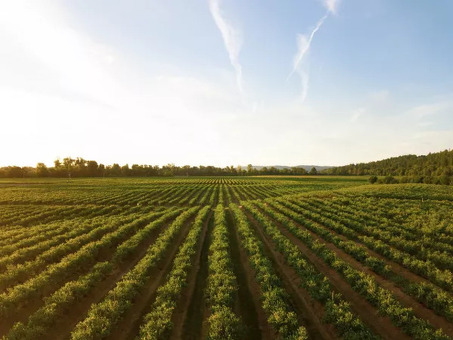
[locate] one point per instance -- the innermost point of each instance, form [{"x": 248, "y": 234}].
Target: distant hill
[
  {"x": 306, "y": 167},
  {"x": 432, "y": 168}
]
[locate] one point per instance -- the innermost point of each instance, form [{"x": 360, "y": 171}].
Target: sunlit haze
[{"x": 222, "y": 83}]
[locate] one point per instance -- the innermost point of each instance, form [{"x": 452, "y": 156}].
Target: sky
[{"x": 224, "y": 82}]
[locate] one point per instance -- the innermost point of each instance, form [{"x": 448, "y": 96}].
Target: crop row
[
  {"x": 337, "y": 310},
  {"x": 275, "y": 302},
  {"x": 365, "y": 285},
  {"x": 103, "y": 316},
  {"x": 408, "y": 239},
  {"x": 178, "y": 192},
  {"x": 222, "y": 284},
  {"x": 157, "y": 323},
  {"x": 62, "y": 299},
  {"x": 370, "y": 238},
  {"x": 20, "y": 272},
  {"x": 54, "y": 275},
  {"x": 426, "y": 293}
]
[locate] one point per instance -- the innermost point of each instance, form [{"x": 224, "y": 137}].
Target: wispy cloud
[
  {"x": 232, "y": 39},
  {"x": 331, "y": 5},
  {"x": 304, "y": 43}
]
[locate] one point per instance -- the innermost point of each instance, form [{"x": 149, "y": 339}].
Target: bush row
[
  {"x": 337, "y": 311},
  {"x": 281, "y": 315},
  {"x": 428, "y": 294},
  {"x": 157, "y": 323},
  {"x": 221, "y": 288},
  {"x": 103, "y": 316},
  {"x": 366, "y": 286}
]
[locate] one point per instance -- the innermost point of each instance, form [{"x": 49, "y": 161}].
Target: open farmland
[{"x": 225, "y": 258}]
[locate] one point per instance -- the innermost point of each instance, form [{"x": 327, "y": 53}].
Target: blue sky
[{"x": 225, "y": 82}]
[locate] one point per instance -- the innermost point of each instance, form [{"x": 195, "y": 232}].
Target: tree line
[
  {"x": 434, "y": 168},
  {"x": 79, "y": 167}
]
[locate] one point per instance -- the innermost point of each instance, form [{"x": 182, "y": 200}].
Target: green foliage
[
  {"x": 222, "y": 284},
  {"x": 104, "y": 315},
  {"x": 224, "y": 324},
  {"x": 373, "y": 179},
  {"x": 316, "y": 284},
  {"x": 365, "y": 285},
  {"x": 61, "y": 239},
  {"x": 434, "y": 168},
  {"x": 157, "y": 323},
  {"x": 274, "y": 298}
]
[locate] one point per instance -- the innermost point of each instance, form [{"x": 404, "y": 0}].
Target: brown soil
[
  {"x": 262, "y": 328},
  {"x": 396, "y": 267},
  {"x": 22, "y": 313},
  {"x": 309, "y": 311},
  {"x": 79, "y": 309},
  {"x": 129, "y": 326},
  {"x": 233, "y": 196},
  {"x": 248, "y": 304},
  {"x": 188, "y": 316},
  {"x": 420, "y": 310},
  {"x": 367, "y": 313}
]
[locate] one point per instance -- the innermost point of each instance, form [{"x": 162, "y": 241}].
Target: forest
[
  {"x": 79, "y": 167},
  {"x": 434, "y": 168}
]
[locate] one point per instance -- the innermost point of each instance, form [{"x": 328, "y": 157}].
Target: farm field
[{"x": 225, "y": 258}]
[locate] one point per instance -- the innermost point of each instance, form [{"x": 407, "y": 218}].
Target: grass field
[{"x": 225, "y": 258}]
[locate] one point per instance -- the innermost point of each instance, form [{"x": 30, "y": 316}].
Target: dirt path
[
  {"x": 248, "y": 299},
  {"x": 225, "y": 196},
  {"x": 233, "y": 196},
  {"x": 79, "y": 309},
  {"x": 193, "y": 326},
  {"x": 186, "y": 318},
  {"x": 420, "y": 310},
  {"x": 310, "y": 312},
  {"x": 262, "y": 328},
  {"x": 237, "y": 195},
  {"x": 192, "y": 194},
  {"x": 34, "y": 303},
  {"x": 404, "y": 271},
  {"x": 367, "y": 312},
  {"x": 396, "y": 267},
  {"x": 129, "y": 325}
]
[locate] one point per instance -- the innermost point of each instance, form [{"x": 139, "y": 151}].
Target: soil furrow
[
  {"x": 264, "y": 329},
  {"x": 420, "y": 309},
  {"x": 79, "y": 309},
  {"x": 187, "y": 318},
  {"x": 396, "y": 267},
  {"x": 366, "y": 311},
  {"x": 245, "y": 302},
  {"x": 310, "y": 312},
  {"x": 129, "y": 326}
]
